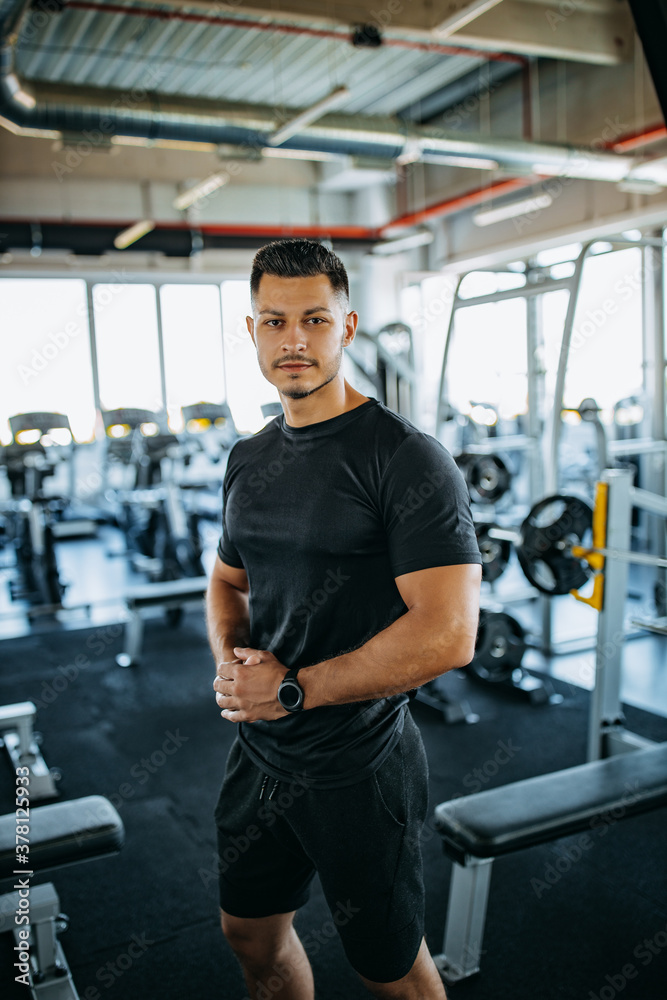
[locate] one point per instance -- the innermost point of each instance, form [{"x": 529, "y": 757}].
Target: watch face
[{"x": 290, "y": 695}]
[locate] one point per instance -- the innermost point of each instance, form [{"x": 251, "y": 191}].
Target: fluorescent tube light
[
  {"x": 201, "y": 190},
  {"x": 489, "y": 216},
  {"x": 403, "y": 243},
  {"x": 468, "y": 12},
  {"x": 133, "y": 233},
  {"x": 304, "y": 118}
]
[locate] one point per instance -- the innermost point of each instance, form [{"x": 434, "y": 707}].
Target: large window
[
  {"x": 128, "y": 353},
  {"x": 606, "y": 350},
  {"x": 46, "y": 352},
  {"x": 192, "y": 339},
  {"x": 487, "y": 362},
  {"x": 247, "y": 387}
]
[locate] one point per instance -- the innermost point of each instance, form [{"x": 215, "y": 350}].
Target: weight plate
[
  {"x": 552, "y": 527},
  {"x": 487, "y": 477},
  {"x": 495, "y": 552},
  {"x": 499, "y": 648}
]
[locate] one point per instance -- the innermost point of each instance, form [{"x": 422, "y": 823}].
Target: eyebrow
[{"x": 306, "y": 312}]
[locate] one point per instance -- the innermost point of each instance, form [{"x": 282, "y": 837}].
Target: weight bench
[
  {"x": 16, "y": 732},
  {"x": 477, "y": 828},
  {"x": 64, "y": 833},
  {"x": 166, "y": 594}
]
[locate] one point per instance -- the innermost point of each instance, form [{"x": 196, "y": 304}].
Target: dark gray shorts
[{"x": 363, "y": 841}]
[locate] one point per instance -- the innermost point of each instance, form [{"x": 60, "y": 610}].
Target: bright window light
[
  {"x": 45, "y": 347},
  {"x": 127, "y": 346},
  {"x": 193, "y": 362},
  {"x": 247, "y": 387},
  {"x": 606, "y": 353},
  {"x": 495, "y": 332}
]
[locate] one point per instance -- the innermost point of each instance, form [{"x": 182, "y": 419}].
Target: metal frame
[
  {"x": 606, "y": 731},
  {"x": 16, "y": 729},
  {"x": 50, "y": 975},
  {"x": 466, "y": 916}
]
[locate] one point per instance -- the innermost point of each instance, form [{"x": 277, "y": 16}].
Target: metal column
[{"x": 605, "y": 712}]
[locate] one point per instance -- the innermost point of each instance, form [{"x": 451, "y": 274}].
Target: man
[{"x": 347, "y": 575}]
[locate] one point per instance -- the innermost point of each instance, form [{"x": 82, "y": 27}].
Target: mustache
[{"x": 294, "y": 361}]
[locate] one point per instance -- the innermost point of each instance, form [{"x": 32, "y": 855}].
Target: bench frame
[
  {"x": 50, "y": 974},
  {"x": 162, "y": 596},
  {"x": 16, "y": 732},
  {"x": 466, "y": 916},
  {"x": 479, "y": 828}
]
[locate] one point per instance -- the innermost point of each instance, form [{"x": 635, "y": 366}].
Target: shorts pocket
[{"x": 389, "y": 782}]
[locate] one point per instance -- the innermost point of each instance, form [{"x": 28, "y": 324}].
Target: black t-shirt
[{"x": 323, "y": 518}]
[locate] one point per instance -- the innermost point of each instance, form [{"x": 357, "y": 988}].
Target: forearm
[
  {"x": 411, "y": 651},
  {"x": 227, "y": 619}
]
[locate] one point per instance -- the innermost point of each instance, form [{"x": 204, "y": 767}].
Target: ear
[
  {"x": 250, "y": 323},
  {"x": 351, "y": 321}
]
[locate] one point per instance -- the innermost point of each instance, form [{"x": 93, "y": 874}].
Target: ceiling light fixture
[
  {"x": 307, "y": 116},
  {"x": 133, "y": 233},
  {"x": 201, "y": 190},
  {"x": 299, "y": 154},
  {"x": 468, "y": 12},
  {"x": 403, "y": 243},
  {"x": 490, "y": 216},
  {"x": 472, "y": 162}
]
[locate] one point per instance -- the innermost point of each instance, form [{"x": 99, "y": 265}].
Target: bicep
[
  {"x": 224, "y": 573},
  {"x": 449, "y": 594}
]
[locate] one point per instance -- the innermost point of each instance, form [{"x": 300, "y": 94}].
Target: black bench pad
[
  {"x": 63, "y": 833},
  {"x": 538, "y": 810},
  {"x": 186, "y": 589}
]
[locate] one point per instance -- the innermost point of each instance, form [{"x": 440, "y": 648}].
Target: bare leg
[
  {"x": 271, "y": 956},
  {"x": 422, "y": 982}
]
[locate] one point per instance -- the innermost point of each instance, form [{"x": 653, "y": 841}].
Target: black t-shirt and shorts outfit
[{"x": 323, "y": 518}]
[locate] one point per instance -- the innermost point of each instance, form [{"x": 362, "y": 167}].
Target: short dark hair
[{"x": 299, "y": 258}]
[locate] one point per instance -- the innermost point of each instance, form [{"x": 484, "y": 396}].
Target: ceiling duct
[{"x": 102, "y": 115}]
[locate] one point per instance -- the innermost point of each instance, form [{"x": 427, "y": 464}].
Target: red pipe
[
  {"x": 634, "y": 140},
  {"x": 459, "y": 203},
  {"x": 288, "y": 29},
  {"x": 220, "y": 229}
]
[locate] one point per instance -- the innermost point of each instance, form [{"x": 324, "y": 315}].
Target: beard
[{"x": 329, "y": 373}]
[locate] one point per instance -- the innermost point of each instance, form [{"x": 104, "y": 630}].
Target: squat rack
[{"x": 542, "y": 445}]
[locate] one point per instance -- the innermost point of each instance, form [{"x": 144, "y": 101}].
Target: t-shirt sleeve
[
  {"x": 426, "y": 508},
  {"x": 227, "y": 551}
]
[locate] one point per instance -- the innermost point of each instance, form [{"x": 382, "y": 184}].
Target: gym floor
[{"x": 161, "y": 891}]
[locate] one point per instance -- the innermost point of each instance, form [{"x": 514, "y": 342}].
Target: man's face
[{"x": 299, "y": 327}]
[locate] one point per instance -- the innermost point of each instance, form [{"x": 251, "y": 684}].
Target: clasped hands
[{"x": 247, "y": 687}]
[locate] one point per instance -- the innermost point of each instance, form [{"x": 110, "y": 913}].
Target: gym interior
[{"x": 494, "y": 177}]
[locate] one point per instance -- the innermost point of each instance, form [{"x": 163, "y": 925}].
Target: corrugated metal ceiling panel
[{"x": 94, "y": 49}]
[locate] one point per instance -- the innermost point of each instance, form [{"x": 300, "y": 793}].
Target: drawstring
[{"x": 263, "y": 788}]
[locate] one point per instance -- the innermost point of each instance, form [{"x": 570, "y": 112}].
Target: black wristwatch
[{"x": 290, "y": 692}]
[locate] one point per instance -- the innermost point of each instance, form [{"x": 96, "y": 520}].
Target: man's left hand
[{"x": 247, "y": 688}]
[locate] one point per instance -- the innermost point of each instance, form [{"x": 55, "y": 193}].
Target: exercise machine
[{"x": 63, "y": 833}]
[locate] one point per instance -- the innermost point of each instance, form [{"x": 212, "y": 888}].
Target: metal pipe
[{"x": 279, "y": 27}]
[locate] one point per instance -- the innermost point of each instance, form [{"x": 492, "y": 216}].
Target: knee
[
  {"x": 248, "y": 942},
  {"x": 239, "y": 934}
]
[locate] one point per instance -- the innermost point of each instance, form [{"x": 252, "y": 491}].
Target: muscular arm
[
  {"x": 437, "y": 633},
  {"x": 227, "y": 619}
]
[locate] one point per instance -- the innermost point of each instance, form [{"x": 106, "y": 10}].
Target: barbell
[{"x": 553, "y": 547}]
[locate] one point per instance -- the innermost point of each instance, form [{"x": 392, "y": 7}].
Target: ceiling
[{"x": 125, "y": 48}]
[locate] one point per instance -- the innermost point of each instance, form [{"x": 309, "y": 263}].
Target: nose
[{"x": 294, "y": 339}]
